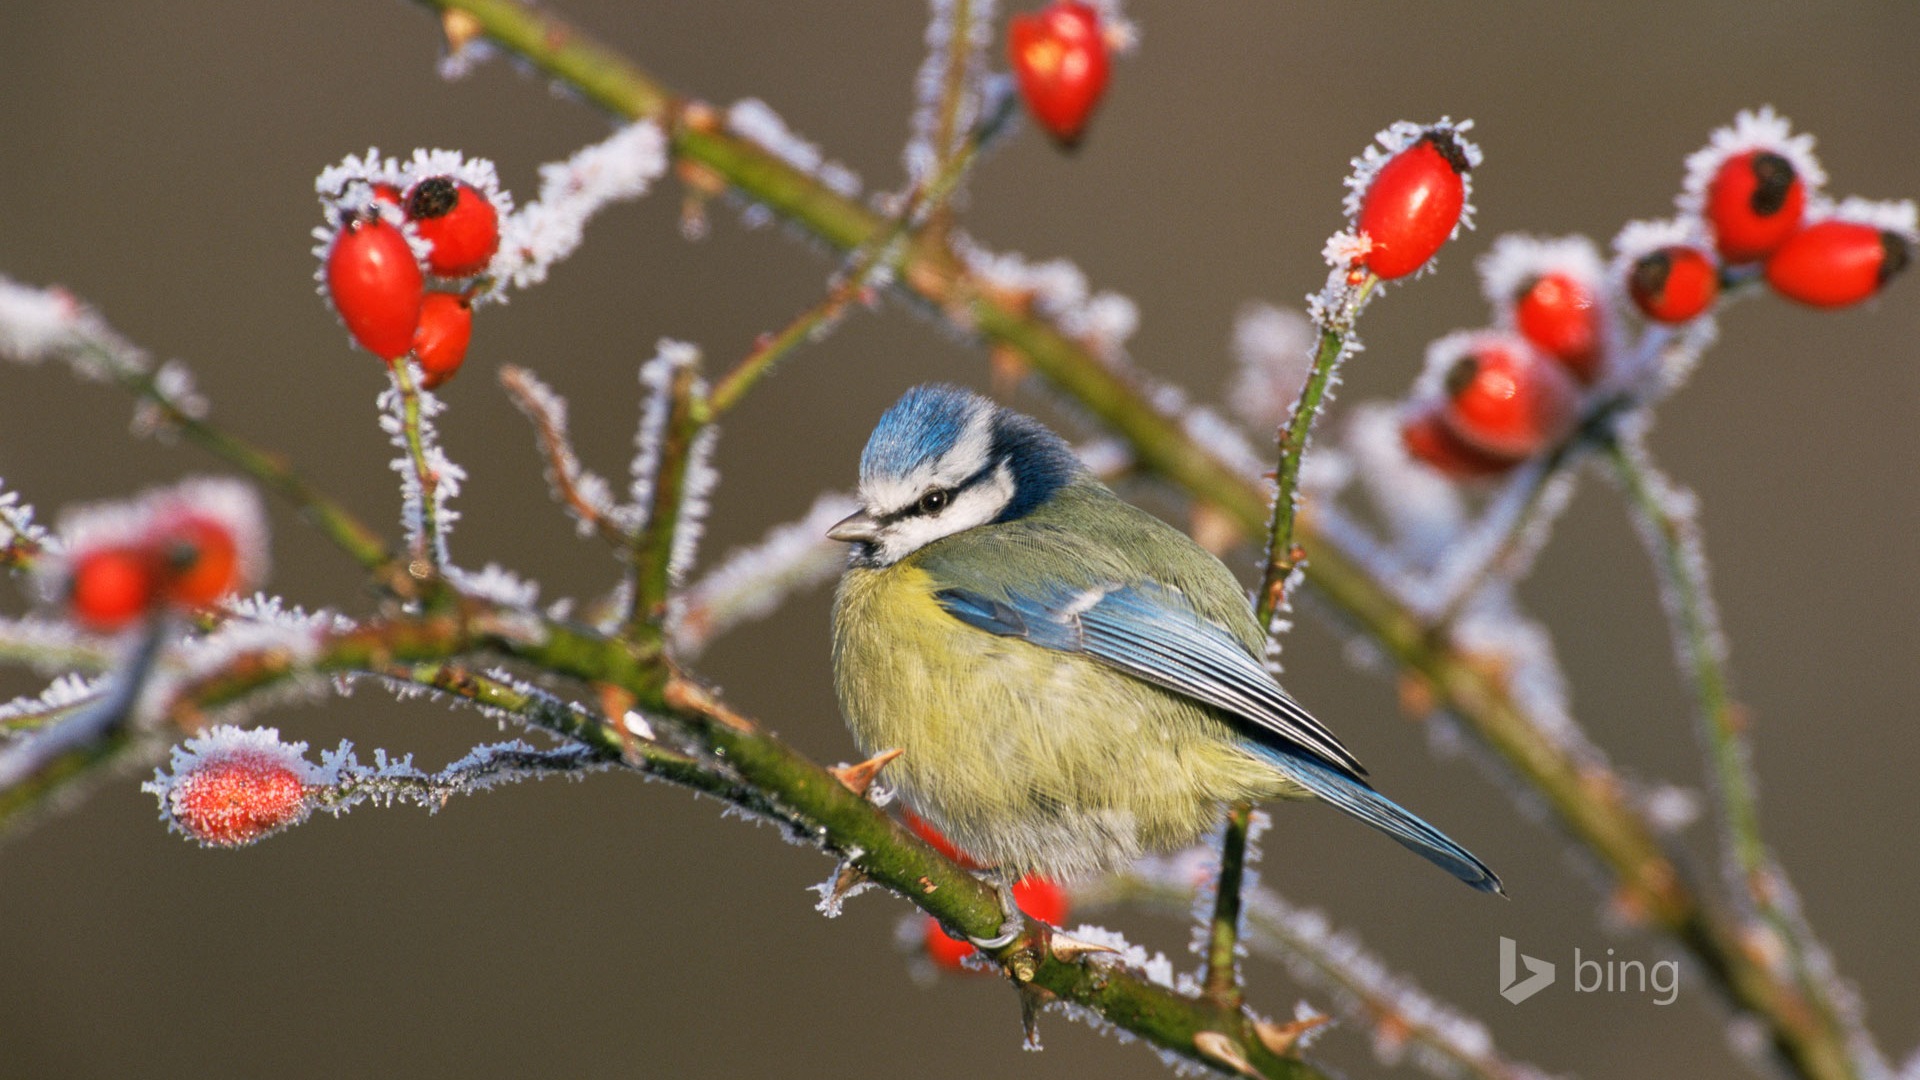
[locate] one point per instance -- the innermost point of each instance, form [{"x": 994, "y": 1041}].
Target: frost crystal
[
  {"x": 750, "y": 583},
  {"x": 1761, "y": 130},
  {"x": 586, "y": 496},
  {"x": 1888, "y": 215},
  {"x": 16, "y": 518},
  {"x": 1059, "y": 291},
  {"x": 755, "y": 121},
  {"x": 444, "y": 476},
  {"x": 929, "y": 85},
  {"x": 63, "y": 694},
  {"x": 622, "y": 167},
  {"x": 1274, "y": 349},
  {"x": 38, "y": 323},
  {"x": 499, "y": 585},
  {"x": 656, "y": 377}
]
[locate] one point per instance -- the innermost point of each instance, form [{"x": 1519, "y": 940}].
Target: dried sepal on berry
[
  {"x": 1553, "y": 293},
  {"x": 460, "y": 225},
  {"x": 1751, "y": 184},
  {"x": 231, "y": 787},
  {"x": 1667, "y": 268},
  {"x": 1847, "y": 257},
  {"x": 1410, "y": 192}
]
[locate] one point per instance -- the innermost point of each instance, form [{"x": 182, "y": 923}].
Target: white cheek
[{"x": 974, "y": 507}]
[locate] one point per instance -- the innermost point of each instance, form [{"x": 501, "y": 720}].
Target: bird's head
[{"x": 944, "y": 460}]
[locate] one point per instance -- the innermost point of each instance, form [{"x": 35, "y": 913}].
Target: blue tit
[{"x": 1073, "y": 682}]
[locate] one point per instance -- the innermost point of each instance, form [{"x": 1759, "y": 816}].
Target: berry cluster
[
  {"x": 1751, "y": 210},
  {"x": 1042, "y": 898},
  {"x": 390, "y": 229},
  {"x": 184, "y": 547}
]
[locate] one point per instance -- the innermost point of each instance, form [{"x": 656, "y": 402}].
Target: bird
[{"x": 1070, "y": 682}]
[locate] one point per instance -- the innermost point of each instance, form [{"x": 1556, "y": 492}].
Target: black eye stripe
[{"x": 913, "y": 509}]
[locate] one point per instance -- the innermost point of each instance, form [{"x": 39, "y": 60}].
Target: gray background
[{"x": 158, "y": 160}]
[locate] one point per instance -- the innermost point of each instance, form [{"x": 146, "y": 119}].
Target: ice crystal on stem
[
  {"x": 755, "y": 121},
  {"x": 620, "y": 168},
  {"x": 428, "y": 478},
  {"x": 751, "y": 582},
  {"x": 924, "y": 150}
]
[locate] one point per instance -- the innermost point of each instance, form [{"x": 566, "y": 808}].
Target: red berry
[
  {"x": 1413, "y": 204},
  {"x": 1558, "y": 315},
  {"x": 931, "y": 835},
  {"x": 1060, "y": 57},
  {"x": 109, "y": 588},
  {"x": 200, "y": 562},
  {"x": 1832, "y": 264},
  {"x": 1507, "y": 400},
  {"x": 943, "y": 949},
  {"x": 440, "y": 343},
  {"x": 1428, "y": 439},
  {"x": 376, "y": 285},
  {"x": 1674, "y": 284},
  {"x": 1754, "y": 203},
  {"x": 387, "y": 193},
  {"x": 1042, "y": 898},
  {"x": 458, "y": 221},
  {"x": 236, "y": 799}
]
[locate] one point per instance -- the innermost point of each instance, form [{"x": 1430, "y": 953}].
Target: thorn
[
  {"x": 1218, "y": 1048},
  {"x": 460, "y": 28},
  {"x": 858, "y": 778},
  {"x": 1030, "y": 1002},
  {"x": 844, "y": 882},
  {"x": 615, "y": 703},
  {"x": 1283, "y": 1039},
  {"x": 684, "y": 696},
  {"x": 1067, "y": 948}
]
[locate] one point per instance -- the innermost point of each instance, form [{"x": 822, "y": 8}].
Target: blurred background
[{"x": 158, "y": 160}]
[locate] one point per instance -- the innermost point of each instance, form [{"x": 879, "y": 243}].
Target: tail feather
[{"x": 1382, "y": 813}]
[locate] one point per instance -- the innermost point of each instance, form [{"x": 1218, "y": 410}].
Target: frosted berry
[
  {"x": 1507, "y": 400},
  {"x": 1559, "y": 316},
  {"x": 376, "y": 285},
  {"x": 1428, "y": 439},
  {"x": 1060, "y": 57},
  {"x": 1754, "y": 203},
  {"x": 1833, "y": 264},
  {"x": 440, "y": 343},
  {"x": 109, "y": 588},
  {"x": 237, "y": 798},
  {"x": 458, "y": 221},
  {"x": 199, "y": 561},
  {"x": 387, "y": 193},
  {"x": 1674, "y": 284},
  {"x": 1413, "y": 204}
]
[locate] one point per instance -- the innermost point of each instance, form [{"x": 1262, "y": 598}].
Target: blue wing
[{"x": 1152, "y": 633}]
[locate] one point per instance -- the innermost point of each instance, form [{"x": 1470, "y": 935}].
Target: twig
[
  {"x": 651, "y": 552},
  {"x": 564, "y": 473},
  {"x": 427, "y": 543},
  {"x": 814, "y": 804},
  {"x": 1667, "y": 524}
]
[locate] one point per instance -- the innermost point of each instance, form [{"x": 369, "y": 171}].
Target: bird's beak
[{"x": 856, "y": 528}]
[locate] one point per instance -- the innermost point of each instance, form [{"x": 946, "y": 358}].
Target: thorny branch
[{"x": 1592, "y": 806}]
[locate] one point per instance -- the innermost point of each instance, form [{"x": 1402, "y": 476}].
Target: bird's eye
[{"x": 934, "y": 501}]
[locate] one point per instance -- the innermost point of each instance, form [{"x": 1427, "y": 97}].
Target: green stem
[
  {"x": 652, "y": 556},
  {"x": 1221, "y": 980},
  {"x": 426, "y": 546},
  {"x": 1673, "y": 540},
  {"x": 764, "y": 773}
]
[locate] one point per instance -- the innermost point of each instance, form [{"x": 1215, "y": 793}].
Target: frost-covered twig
[
  {"x": 752, "y": 581},
  {"x": 34, "y": 768},
  {"x": 586, "y": 495},
  {"x": 1443, "y": 1041},
  {"x": 1666, "y": 517},
  {"x": 672, "y": 477},
  {"x": 427, "y": 477},
  {"x": 21, "y": 538},
  {"x": 38, "y": 324}
]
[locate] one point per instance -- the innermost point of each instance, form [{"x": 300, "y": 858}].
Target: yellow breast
[{"x": 1026, "y": 757}]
